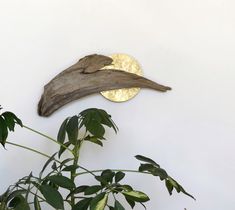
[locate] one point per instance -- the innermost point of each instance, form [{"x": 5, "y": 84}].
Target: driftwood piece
[{"x": 85, "y": 78}]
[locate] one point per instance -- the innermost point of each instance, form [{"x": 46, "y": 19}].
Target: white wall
[{"x": 187, "y": 44}]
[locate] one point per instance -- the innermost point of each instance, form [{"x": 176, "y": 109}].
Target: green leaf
[
  {"x": 62, "y": 149},
  {"x": 14, "y": 117},
  {"x": 62, "y": 181},
  {"x": 130, "y": 202},
  {"x": 72, "y": 129},
  {"x": 169, "y": 186},
  {"x": 82, "y": 204},
  {"x": 9, "y": 120},
  {"x": 52, "y": 196},
  {"x": 15, "y": 194},
  {"x": 108, "y": 175},
  {"x": 106, "y": 120},
  {"x": 99, "y": 202},
  {"x": 17, "y": 120},
  {"x": 136, "y": 196},
  {"x": 118, "y": 206},
  {"x": 95, "y": 128},
  {"x": 47, "y": 163},
  {"x": 62, "y": 132},
  {"x": 178, "y": 187},
  {"x": 4, "y": 196},
  {"x": 3, "y": 131},
  {"x": 70, "y": 168},
  {"x": 153, "y": 170},
  {"x": 93, "y": 119},
  {"x": 54, "y": 166},
  {"x": 94, "y": 140},
  {"x": 101, "y": 180},
  {"x": 79, "y": 189},
  {"x": 126, "y": 187},
  {"x": 92, "y": 189},
  {"x": 36, "y": 203},
  {"x": 146, "y": 159},
  {"x": 19, "y": 203},
  {"x": 119, "y": 176}
]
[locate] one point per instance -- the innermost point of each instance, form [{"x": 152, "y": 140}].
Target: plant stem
[
  {"x": 48, "y": 137},
  {"x": 96, "y": 171},
  {"x": 30, "y": 149},
  {"x": 73, "y": 175},
  {"x": 75, "y": 163},
  {"x": 33, "y": 193},
  {"x": 76, "y": 151},
  {"x": 87, "y": 171}
]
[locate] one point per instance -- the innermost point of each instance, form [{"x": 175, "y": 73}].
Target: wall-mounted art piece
[{"x": 117, "y": 77}]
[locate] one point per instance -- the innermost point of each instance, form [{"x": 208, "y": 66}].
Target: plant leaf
[
  {"x": 82, "y": 204},
  {"x": 70, "y": 168},
  {"x": 3, "y": 131},
  {"x": 62, "y": 132},
  {"x": 47, "y": 163},
  {"x": 52, "y": 196},
  {"x": 19, "y": 203},
  {"x": 79, "y": 189},
  {"x": 9, "y": 120},
  {"x": 94, "y": 140},
  {"x": 154, "y": 170},
  {"x": 178, "y": 187},
  {"x": 130, "y": 202},
  {"x": 146, "y": 159},
  {"x": 108, "y": 175},
  {"x": 62, "y": 181},
  {"x": 92, "y": 189},
  {"x": 169, "y": 186},
  {"x": 95, "y": 128},
  {"x": 93, "y": 119},
  {"x": 72, "y": 129},
  {"x": 107, "y": 120},
  {"x": 118, "y": 206},
  {"x": 36, "y": 203},
  {"x": 136, "y": 196},
  {"x": 119, "y": 176},
  {"x": 99, "y": 202},
  {"x": 15, "y": 194},
  {"x": 62, "y": 149}
]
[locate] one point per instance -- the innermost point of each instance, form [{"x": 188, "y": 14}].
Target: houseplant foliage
[{"x": 56, "y": 183}]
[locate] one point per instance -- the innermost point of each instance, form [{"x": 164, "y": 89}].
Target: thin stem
[
  {"x": 73, "y": 172},
  {"x": 87, "y": 171},
  {"x": 116, "y": 170},
  {"x": 28, "y": 148},
  {"x": 73, "y": 175},
  {"x": 48, "y": 137},
  {"x": 32, "y": 150}
]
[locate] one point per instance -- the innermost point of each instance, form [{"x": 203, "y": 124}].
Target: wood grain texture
[{"x": 85, "y": 78}]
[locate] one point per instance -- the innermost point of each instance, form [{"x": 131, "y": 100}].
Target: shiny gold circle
[{"x": 126, "y": 63}]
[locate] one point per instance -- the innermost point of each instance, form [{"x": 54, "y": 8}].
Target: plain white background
[{"x": 186, "y": 44}]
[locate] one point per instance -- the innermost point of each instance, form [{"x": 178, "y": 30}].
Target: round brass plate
[{"x": 126, "y": 63}]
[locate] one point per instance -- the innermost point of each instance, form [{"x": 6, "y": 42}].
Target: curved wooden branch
[{"x": 85, "y": 78}]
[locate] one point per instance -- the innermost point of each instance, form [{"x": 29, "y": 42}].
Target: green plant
[{"x": 60, "y": 173}]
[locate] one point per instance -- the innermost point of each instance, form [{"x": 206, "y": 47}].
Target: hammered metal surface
[{"x": 126, "y": 63}]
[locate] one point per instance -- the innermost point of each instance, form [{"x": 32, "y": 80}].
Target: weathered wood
[{"x": 85, "y": 78}]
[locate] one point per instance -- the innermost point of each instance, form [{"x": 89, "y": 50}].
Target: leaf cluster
[
  {"x": 59, "y": 174},
  {"x": 8, "y": 120}
]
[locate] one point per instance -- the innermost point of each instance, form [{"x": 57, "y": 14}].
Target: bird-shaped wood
[{"x": 86, "y": 77}]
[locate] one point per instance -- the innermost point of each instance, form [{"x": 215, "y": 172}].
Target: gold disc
[{"x": 126, "y": 63}]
